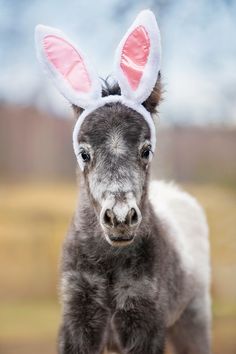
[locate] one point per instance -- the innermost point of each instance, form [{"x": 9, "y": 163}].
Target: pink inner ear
[
  {"x": 134, "y": 56},
  {"x": 68, "y": 62}
]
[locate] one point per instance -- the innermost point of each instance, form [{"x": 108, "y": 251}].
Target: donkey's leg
[
  {"x": 191, "y": 333},
  {"x": 140, "y": 327},
  {"x": 85, "y": 315}
]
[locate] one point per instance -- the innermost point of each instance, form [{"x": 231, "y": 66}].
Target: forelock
[{"x": 114, "y": 124}]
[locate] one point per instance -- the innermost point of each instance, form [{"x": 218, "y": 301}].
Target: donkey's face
[
  {"x": 115, "y": 150},
  {"x": 114, "y": 139}
]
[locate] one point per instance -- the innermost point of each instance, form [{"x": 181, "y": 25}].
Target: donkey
[{"x": 135, "y": 263}]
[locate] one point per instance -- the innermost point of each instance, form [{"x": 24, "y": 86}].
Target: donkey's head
[{"x": 114, "y": 137}]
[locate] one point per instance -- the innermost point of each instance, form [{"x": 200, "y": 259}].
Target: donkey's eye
[
  {"x": 85, "y": 156},
  {"x": 146, "y": 151},
  {"x": 145, "y": 154}
]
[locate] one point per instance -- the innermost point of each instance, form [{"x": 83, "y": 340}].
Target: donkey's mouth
[{"x": 120, "y": 240}]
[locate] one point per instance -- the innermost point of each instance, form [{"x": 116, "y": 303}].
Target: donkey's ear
[
  {"x": 67, "y": 66},
  {"x": 155, "y": 97},
  {"x": 138, "y": 58}
]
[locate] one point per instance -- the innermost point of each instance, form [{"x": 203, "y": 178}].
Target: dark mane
[
  {"x": 110, "y": 89},
  {"x": 151, "y": 103}
]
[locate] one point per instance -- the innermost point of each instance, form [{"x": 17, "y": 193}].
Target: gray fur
[{"x": 121, "y": 297}]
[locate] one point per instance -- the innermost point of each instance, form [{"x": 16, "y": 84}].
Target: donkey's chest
[{"x": 126, "y": 278}]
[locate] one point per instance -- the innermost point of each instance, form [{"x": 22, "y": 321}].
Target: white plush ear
[
  {"x": 138, "y": 58},
  {"x": 67, "y": 66}
]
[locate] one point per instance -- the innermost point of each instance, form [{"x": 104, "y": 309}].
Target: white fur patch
[
  {"x": 121, "y": 210},
  {"x": 186, "y": 230},
  {"x": 107, "y": 186},
  {"x": 185, "y": 217}
]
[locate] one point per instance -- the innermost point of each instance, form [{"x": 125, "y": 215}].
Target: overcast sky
[{"x": 199, "y": 51}]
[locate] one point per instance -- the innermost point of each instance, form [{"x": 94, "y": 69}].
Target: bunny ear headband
[{"x": 137, "y": 63}]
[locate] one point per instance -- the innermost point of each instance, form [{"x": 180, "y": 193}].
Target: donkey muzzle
[{"x": 120, "y": 220}]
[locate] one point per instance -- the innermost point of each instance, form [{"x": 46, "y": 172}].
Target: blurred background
[{"x": 196, "y": 146}]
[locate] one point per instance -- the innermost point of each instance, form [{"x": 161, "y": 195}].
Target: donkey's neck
[{"x": 97, "y": 253}]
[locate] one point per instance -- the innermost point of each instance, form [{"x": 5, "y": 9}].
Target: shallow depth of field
[
  {"x": 196, "y": 147},
  {"x": 33, "y": 221},
  {"x": 38, "y": 195}
]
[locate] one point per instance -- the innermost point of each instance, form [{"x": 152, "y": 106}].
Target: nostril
[
  {"x": 132, "y": 217},
  {"x": 108, "y": 218}
]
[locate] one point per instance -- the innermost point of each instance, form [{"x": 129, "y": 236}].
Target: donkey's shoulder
[
  {"x": 168, "y": 197},
  {"x": 185, "y": 227}
]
